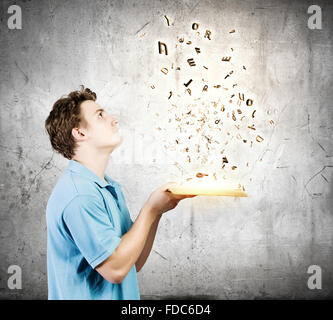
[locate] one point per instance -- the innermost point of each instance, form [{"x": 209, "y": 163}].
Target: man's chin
[
  {"x": 119, "y": 142},
  {"x": 121, "y": 139}
]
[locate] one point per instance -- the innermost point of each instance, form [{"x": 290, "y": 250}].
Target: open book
[{"x": 199, "y": 186}]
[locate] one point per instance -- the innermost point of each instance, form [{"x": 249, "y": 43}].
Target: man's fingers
[
  {"x": 190, "y": 196},
  {"x": 168, "y": 185},
  {"x": 181, "y": 197}
]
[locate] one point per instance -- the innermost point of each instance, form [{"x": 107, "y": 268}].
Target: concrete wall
[{"x": 213, "y": 247}]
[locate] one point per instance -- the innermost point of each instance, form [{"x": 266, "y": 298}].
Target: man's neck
[{"x": 96, "y": 164}]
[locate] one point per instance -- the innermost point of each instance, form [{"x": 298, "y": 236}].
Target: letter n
[{"x": 162, "y": 46}]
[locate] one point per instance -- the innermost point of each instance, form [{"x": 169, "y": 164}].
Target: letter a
[
  {"x": 15, "y": 281},
  {"x": 314, "y": 281},
  {"x": 15, "y": 21},
  {"x": 314, "y": 21}
]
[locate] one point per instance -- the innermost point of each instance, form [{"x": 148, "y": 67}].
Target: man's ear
[{"x": 78, "y": 134}]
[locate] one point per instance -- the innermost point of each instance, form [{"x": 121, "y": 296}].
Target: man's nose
[{"x": 114, "y": 121}]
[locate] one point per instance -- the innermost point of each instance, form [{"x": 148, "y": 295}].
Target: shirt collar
[{"x": 82, "y": 170}]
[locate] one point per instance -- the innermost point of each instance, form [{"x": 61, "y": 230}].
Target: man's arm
[
  {"x": 120, "y": 262},
  {"x": 148, "y": 246}
]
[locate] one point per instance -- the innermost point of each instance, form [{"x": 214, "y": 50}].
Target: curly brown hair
[{"x": 64, "y": 116}]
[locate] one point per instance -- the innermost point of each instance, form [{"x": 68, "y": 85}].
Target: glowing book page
[{"x": 208, "y": 188}]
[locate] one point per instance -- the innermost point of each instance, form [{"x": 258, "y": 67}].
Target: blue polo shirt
[{"x": 86, "y": 218}]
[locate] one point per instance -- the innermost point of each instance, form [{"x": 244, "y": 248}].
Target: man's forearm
[
  {"x": 148, "y": 246},
  {"x": 132, "y": 243}
]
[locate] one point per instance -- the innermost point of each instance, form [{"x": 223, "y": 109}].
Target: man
[{"x": 94, "y": 249}]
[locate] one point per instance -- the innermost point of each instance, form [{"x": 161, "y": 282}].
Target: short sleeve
[
  {"x": 91, "y": 228},
  {"x": 130, "y": 223},
  {"x": 125, "y": 208}
]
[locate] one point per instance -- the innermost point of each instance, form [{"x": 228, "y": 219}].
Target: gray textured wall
[{"x": 224, "y": 248}]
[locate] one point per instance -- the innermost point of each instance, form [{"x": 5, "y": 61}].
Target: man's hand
[
  {"x": 136, "y": 244},
  {"x": 162, "y": 200}
]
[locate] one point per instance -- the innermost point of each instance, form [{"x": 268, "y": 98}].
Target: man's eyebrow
[{"x": 101, "y": 109}]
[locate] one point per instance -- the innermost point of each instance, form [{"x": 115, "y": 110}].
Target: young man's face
[{"x": 102, "y": 131}]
